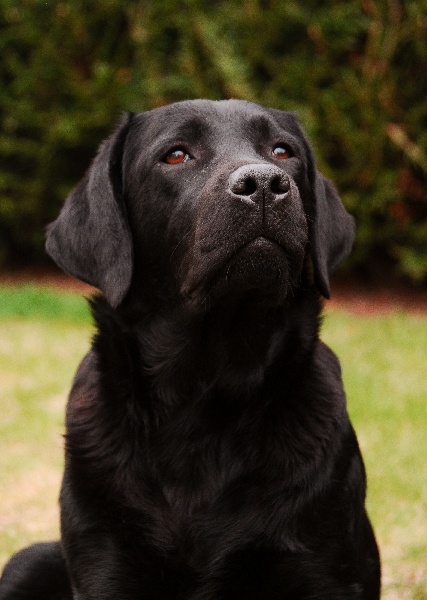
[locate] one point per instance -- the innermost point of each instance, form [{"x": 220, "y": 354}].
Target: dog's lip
[
  {"x": 261, "y": 240},
  {"x": 262, "y": 237}
]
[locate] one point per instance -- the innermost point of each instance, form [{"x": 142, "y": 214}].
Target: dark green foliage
[{"x": 355, "y": 71}]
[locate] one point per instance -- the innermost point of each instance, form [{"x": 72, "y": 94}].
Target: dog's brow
[
  {"x": 192, "y": 129},
  {"x": 262, "y": 125}
]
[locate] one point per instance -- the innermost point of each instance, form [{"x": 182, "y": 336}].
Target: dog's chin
[{"x": 260, "y": 268}]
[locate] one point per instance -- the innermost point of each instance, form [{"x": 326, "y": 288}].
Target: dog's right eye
[{"x": 176, "y": 156}]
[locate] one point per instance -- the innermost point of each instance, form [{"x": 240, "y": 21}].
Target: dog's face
[
  {"x": 202, "y": 201},
  {"x": 213, "y": 194}
]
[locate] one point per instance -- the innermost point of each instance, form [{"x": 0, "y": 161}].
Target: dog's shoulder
[
  {"x": 85, "y": 384},
  {"x": 327, "y": 361}
]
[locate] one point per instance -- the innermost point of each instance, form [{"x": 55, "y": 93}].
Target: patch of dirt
[
  {"x": 46, "y": 277},
  {"x": 360, "y": 297},
  {"x": 374, "y": 302},
  {"x": 350, "y": 294}
]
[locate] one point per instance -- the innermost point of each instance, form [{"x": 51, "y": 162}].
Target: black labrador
[{"x": 209, "y": 453}]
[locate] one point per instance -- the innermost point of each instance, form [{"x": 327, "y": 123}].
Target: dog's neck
[{"x": 185, "y": 355}]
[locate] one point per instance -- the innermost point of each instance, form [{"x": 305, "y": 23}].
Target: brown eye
[
  {"x": 177, "y": 156},
  {"x": 281, "y": 153}
]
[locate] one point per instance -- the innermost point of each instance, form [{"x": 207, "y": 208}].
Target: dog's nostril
[
  {"x": 244, "y": 186},
  {"x": 249, "y": 187},
  {"x": 280, "y": 185}
]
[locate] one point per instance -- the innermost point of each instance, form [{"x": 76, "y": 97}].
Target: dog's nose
[{"x": 259, "y": 183}]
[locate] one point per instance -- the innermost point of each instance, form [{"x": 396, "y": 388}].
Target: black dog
[{"x": 209, "y": 454}]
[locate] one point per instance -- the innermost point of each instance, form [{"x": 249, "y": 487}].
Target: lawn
[
  {"x": 383, "y": 360},
  {"x": 44, "y": 334}
]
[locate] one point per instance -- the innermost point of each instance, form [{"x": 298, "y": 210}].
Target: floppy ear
[
  {"x": 331, "y": 227},
  {"x": 91, "y": 238},
  {"x": 332, "y": 232}
]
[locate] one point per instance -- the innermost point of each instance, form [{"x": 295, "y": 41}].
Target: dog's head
[{"x": 199, "y": 200}]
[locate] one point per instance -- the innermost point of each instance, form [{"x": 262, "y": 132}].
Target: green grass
[
  {"x": 44, "y": 334},
  {"x": 41, "y": 303},
  {"x": 383, "y": 361}
]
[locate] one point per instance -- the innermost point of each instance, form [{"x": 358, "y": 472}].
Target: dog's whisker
[{"x": 181, "y": 241}]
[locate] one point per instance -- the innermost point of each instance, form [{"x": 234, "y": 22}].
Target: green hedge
[{"x": 355, "y": 71}]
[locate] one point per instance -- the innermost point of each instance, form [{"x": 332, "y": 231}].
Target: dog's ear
[
  {"x": 91, "y": 238},
  {"x": 331, "y": 228},
  {"x": 332, "y": 232}
]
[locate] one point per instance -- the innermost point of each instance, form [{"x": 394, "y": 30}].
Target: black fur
[{"x": 209, "y": 454}]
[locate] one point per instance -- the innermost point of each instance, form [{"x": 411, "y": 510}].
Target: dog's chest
[
  {"x": 202, "y": 525},
  {"x": 210, "y": 500}
]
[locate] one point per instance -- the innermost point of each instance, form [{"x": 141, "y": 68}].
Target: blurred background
[{"x": 354, "y": 70}]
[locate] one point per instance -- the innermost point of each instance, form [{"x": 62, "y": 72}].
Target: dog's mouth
[
  {"x": 260, "y": 264},
  {"x": 260, "y": 258}
]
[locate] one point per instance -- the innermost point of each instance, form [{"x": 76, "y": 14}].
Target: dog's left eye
[
  {"x": 281, "y": 152},
  {"x": 176, "y": 156}
]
